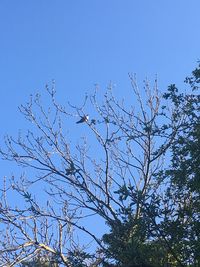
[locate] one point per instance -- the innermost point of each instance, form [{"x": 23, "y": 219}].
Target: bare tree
[{"x": 107, "y": 176}]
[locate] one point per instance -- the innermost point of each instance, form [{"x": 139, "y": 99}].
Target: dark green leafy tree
[{"x": 182, "y": 222}]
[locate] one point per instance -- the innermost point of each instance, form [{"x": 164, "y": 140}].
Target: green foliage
[
  {"x": 184, "y": 176},
  {"x": 183, "y": 193},
  {"x": 40, "y": 263},
  {"x": 77, "y": 258},
  {"x": 167, "y": 231}
]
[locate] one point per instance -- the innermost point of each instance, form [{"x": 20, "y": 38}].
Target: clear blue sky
[{"x": 81, "y": 43}]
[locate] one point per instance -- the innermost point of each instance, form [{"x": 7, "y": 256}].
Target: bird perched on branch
[{"x": 83, "y": 119}]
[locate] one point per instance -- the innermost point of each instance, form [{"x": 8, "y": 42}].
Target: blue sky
[{"x": 80, "y": 43}]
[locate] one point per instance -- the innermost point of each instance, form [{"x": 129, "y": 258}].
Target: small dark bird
[{"x": 83, "y": 119}]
